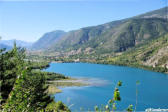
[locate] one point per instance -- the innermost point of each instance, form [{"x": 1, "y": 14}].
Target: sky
[{"x": 28, "y": 20}]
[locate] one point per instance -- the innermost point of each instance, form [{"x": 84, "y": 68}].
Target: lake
[{"x": 152, "y": 90}]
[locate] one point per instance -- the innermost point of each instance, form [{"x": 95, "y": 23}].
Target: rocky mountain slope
[
  {"x": 47, "y": 39},
  {"x": 116, "y": 36},
  {"x": 152, "y": 55}
]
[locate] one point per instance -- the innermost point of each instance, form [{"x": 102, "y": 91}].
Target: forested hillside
[
  {"x": 116, "y": 36},
  {"x": 152, "y": 55}
]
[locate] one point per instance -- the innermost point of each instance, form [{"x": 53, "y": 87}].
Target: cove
[{"x": 152, "y": 90}]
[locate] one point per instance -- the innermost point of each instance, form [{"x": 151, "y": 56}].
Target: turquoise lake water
[{"x": 152, "y": 90}]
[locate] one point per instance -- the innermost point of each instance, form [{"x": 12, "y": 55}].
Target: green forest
[{"x": 24, "y": 89}]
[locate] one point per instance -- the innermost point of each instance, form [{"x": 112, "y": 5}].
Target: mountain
[
  {"x": 5, "y": 46},
  {"x": 159, "y": 13},
  {"x": 19, "y": 43},
  {"x": 153, "y": 54},
  {"x": 47, "y": 39},
  {"x": 116, "y": 36},
  {"x": 140, "y": 41}
]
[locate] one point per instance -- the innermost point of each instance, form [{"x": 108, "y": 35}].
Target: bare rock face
[{"x": 160, "y": 58}]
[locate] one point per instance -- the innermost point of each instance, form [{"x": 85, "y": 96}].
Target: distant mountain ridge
[
  {"x": 116, "y": 36},
  {"x": 2, "y": 46},
  {"x": 47, "y": 39},
  {"x": 18, "y": 43},
  {"x": 159, "y": 13}
]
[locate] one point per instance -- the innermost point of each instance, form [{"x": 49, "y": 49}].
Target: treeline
[
  {"x": 51, "y": 75},
  {"x": 22, "y": 89},
  {"x": 38, "y": 65}
]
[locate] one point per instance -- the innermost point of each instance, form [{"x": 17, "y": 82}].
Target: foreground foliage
[
  {"x": 23, "y": 89},
  {"x": 112, "y": 103}
]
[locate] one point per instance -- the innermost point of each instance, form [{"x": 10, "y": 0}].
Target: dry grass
[
  {"x": 53, "y": 85},
  {"x": 52, "y": 89}
]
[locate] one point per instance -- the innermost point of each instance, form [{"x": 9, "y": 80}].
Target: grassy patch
[
  {"x": 52, "y": 89},
  {"x": 54, "y": 84}
]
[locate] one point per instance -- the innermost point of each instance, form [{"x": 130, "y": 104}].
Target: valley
[
  {"x": 140, "y": 41},
  {"x": 83, "y": 62}
]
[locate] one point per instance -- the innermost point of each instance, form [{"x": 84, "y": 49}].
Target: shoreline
[
  {"x": 55, "y": 85},
  {"x": 122, "y": 65}
]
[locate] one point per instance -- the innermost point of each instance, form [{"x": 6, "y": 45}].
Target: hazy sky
[{"x": 29, "y": 20}]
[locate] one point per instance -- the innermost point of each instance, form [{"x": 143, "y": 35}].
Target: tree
[
  {"x": 11, "y": 63},
  {"x": 21, "y": 88},
  {"x": 57, "y": 107},
  {"x": 29, "y": 93}
]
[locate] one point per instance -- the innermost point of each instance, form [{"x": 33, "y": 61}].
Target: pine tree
[
  {"x": 23, "y": 90},
  {"x": 29, "y": 93},
  {"x": 10, "y": 63}
]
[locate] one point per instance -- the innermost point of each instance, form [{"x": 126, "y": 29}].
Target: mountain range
[
  {"x": 139, "y": 41},
  {"x": 8, "y": 44},
  {"x": 116, "y": 36},
  {"x": 2, "y": 46}
]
